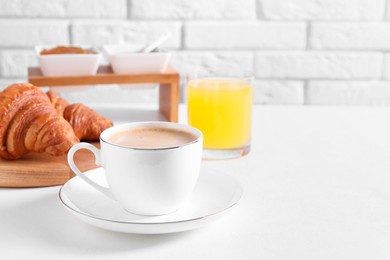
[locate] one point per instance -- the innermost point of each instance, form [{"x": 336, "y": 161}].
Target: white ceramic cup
[{"x": 146, "y": 181}]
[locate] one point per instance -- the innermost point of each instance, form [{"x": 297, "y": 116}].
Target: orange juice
[{"x": 222, "y": 110}]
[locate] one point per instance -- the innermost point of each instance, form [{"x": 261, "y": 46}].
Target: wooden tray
[
  {"x": 168, "y": 81},
  {"x": 39, "y": 170}
]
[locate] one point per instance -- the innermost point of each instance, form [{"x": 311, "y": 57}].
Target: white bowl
[
  {"x": 125, "y": 59},
  {"x": 68, "y": 64}
]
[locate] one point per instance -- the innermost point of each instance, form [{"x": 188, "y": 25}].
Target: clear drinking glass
[{"x": 221, "y": 107}]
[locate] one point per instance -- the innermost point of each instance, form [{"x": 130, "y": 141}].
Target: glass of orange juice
[{"x": 221, "y": 107}]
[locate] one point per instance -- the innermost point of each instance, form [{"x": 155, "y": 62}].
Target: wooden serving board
[{"x": 40, "y": 170}]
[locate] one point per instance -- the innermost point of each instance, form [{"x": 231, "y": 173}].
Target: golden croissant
[
  {"x": 58, "y": 103},
  {"x": 87, "y": 124},
  {"x": 29, "y": 123}
]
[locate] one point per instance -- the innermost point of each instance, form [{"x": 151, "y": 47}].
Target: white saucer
[{"x": 213, "y": 196}]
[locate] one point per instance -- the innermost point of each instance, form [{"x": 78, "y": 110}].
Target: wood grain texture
[
  {"x": 169, "y": 101},
  {"x": 104, "y": 75},
  {"x": 169, "y": 81},
  {"x": 39, "y": 170}
]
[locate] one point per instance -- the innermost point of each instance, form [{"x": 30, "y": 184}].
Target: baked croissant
[
  {"x": 58, "y": 103},
  {"x": 87, "y": 124},
  {"x": 29, "y": 123}
]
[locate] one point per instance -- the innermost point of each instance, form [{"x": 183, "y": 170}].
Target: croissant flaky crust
[
  {"x": 29, "y": 123},
  {"x": 87, "y": 124},
  {"x": 57, "y": 102}
]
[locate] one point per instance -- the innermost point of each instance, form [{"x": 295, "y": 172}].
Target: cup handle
[{"x": 76, "y": 170}]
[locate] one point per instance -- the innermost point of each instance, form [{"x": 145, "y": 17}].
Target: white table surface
[{"x": 316, "y": 186}]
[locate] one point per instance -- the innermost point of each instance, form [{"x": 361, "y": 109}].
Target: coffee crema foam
[{"x": 151, "y": 137}]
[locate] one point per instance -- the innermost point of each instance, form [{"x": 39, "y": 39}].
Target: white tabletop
[{"x": 316, "y": 186}]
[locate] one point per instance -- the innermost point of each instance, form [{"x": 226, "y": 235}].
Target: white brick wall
[
  {"x": 190, "y": 9},
  {"x": 386, "y": 65},
  {"x": 13, "y": 63},
  {"x": 350, "y": 36},
  {"x": 323, "y": 9},
  {"x": 64, "y": 8},
  {"x": 244, "y": 35},
  {"x": 318, "y": 65},
  {"x": 212, "y": 62},
  {"x": 277, "y": 92},
  {"x": 101, "y": 32},
  {"x": 29, "y": 32},
  {"x": 301, "y": 52}
]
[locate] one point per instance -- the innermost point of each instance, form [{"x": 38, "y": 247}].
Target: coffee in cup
[
  {"x": 151, "y": 137},
  {"x": 151, "y": 167}
]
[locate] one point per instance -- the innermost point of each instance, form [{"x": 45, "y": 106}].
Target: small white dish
[
  {"x": 214, "y": 194},
  {"x": 127, "y": 59},
  {"x": 68, "y": 64}
]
